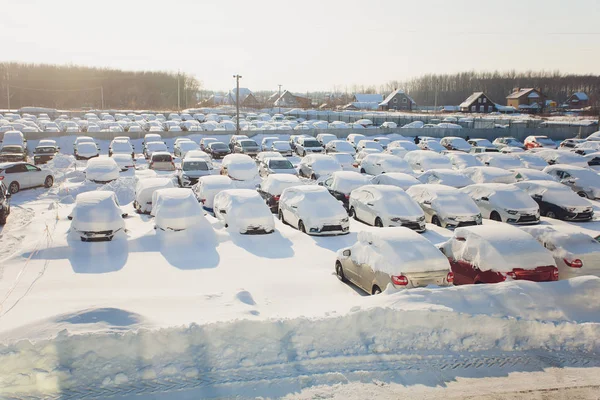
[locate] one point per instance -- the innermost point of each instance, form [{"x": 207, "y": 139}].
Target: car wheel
[
  {"x": 13, "y": 187},
  {"x": 550, "y": 214},
  {"x": 280, "y": 215},
  {"x": 376, "y": 290},
  {"x": 378, "y": 222},
  {"x": 313, "y": 177},
  {"x": 339, "y": 271},
  {"x": 435, "y": 220},
  {"x": 303, "y": 153},
  {"x": 583, "y": 194},
  {"x": 83, "y": 239},
  {"x": 301, "y": 227},
  {"x": 495, "y": 216},
  {"x": 362, "y": 170},
  {"x": 3, "y": 219},
  {"x": 353, "y": 213},
  {"x": 49, "y": 182}
]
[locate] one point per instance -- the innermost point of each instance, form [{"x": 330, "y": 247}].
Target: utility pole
[
  {"x": 278, "y": 96},
  {"x": 102, "y": 97},
  {"x": 178, "y": 92},
  {"x": 8, "y": 87},
  {"x": 237, "y": 103}
]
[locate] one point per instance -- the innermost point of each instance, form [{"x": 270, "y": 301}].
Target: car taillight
[
  {"x": 355, "y": 165},
  {"x": 203, "y": 201},
  {"x": 577, "y": 263},
  {"x": 399, "y": 280},
  {"x": 555, "y": 273},
  {"x": 151, "y": 163},
  {"x": 347, "y": 196},
  {"x": 1, "y": 177},
  {"x": 511, "y": 275},
  {"x": 173, "y": 164},
  {"x": 276, "y": 198},
  {"x": 450, "y": 277}
]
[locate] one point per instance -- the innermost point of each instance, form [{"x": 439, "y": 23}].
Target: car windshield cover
[
  {"x": 280, "y": 164},
  {"x": 195, "y": 166}
]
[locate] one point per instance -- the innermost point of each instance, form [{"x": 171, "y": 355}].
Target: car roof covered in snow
[
  {"x": 346, "y": 181},
  {"x": 276, "y": 183}
]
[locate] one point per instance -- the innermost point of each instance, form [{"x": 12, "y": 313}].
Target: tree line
[{"x": 69, "y": 86}]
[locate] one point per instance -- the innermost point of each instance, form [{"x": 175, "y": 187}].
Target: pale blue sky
[{"x": 305, "y": 45}]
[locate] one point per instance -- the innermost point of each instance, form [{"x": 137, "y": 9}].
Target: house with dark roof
[
  {"x": 478, "y": 102},
  {"x": 397, "y": 100},
  {"x": 247, "y": 98},
  {"x": 288, "y": 99},
  {"x": 578, "y": 100},
  {"x": 526, "y": 100}
]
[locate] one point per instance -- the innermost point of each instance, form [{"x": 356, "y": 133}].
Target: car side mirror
[
  {"x": 320, "y": 184},
  {"x": 124, "y": 215},
  {"x": 346, "y": 253},
  {"x": 427, "y": 202},
  {"x": 485, "y": 199},
  {"x": 223, "y": 211},
  {"x": 370, "y": 204}
]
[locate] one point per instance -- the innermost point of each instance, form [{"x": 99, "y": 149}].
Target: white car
[
  {"x": 456, "y": 143},
  {"x": 368, "y": 144},
  {"x": 244, "y": 211},
  {"x": 102, "y": 170},
  {"x": 176, "y": 209},
  {"x": 462, "y": 160},
  {"x": 449, "y": 177},
  {"x": 181, "y": 148},
  {"x": 340, "y": 146},
  {"x": 313, "y": 210},
  {"x": 504, "y": 203},
  {"x": 119, "y": 146},
  {"x": 399, "y": 179},
  {"x": 375, "y": 164},
  {"x": 500, "y": 160},
  {"x": 276, "y": 165},
  {"x": 423, "y": 160},
  {"x": 154, "y": 147},
  {"x": 354, "y": 138},
  {"x": 325, "y": 138},
  {"x": 97, "y": 216},
  {"x": 583, "y": 181},
  {"x": 239, "y": 167},
  {"x": 563, "y": 157},
  {"x": 124, "y": 161},
  {"x": 22, "y": 175},
  {"x": 432, "y": 145},
  {"x": 191, "y": 170},
  {"x": 445, "y": 206},
  {"x": 314, "y": 166},
  {"x": 346, "y": 160},
  {"x": 530, "y": 174},
  {"x": 489, "y": 175},
  {"x": 386, "y": 205},
  {"x": 307, "y": 145},
  {"x": 530, "y": 160},
  {"x": 282, "y": 147},
  {"x": 267, "y": 142},
  {"x": 145, "y": 188},
  {"x": 209, "y": 186},
  {"x": 86, "y": 150}
]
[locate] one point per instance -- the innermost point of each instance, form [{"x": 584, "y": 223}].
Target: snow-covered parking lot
[{"x": 177, "y": 315}]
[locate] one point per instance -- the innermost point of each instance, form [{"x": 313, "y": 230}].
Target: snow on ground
[{"x": 168, "y": 314}]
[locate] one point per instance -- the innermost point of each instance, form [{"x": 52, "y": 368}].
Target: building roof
[
  {"x": 522, "y": 92},
  {"x": 471, "y": 99},
  {"x": 394, "y": 93},
  {"x": 580, "y": 96},
  {"x": 368, "y": 98},
  {"x": 286, "y": 93},
  {"x": 359, "y": 105},
  {"x": 244, "y": 92}
]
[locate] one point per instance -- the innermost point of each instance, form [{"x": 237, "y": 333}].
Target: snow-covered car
[
  {"x": 191, "y": 170},
  {"x": 267, "y": 142},
  {"x": 176, "y": 209},
  {"x": 325, "y": 138},
  {"x": 239, "y": 167},
  {"x": 97, "y": 216},
  {"x": 383, "y": 141},
  {"x": 339, "y": 146},
  {"x": 530, "y": 160},
  {"x": 563, "y": 157},
  {"x": 154, "y": 147},
  {"x": 124, "y": 161},
  {"x": 445, "y": 206},
  {"x": 462, "y": 160},
  {"x": 380, "y": 163},
  {"x": 403, "y": 144},
  {"x": 593, "y": 160},
  {"x": 504, "y": 202},
  {"x": 217, "y": 150},
  {"x": 120, "y": 146},
  {"x": 455, "y": 143},
  {"x": 86, "y": 150},
  {"x": 102, "y": 170},
  {"x": 204, "y": 142},
  {"x": 145, "y": 188},
  {"x": 21, "y": 175},
  {"x": 534, "y": 141},
  {"x": 12, "y": 153},
  {"x": 354, "y": 138},
  {"x": 161, "y": 161},
  {"x": 368, "y": 144},
  {"x": 198, "y": 155},
  {"x": 209, "y": 186},
  {"x": 557, "y": 200},
  {"x": 273, "y": 185},
  {"x": 423, "y": 160},
  {"x": 575, "y": 253},
  {"x": 341, "y": 183},
  {"x": 346, "y": 160},
  {"x": 489, "y": 175},
  {"x": 282, "y": 147},
  {"x": 496, "y": 252},
  {"x": 386, "y": 205},
  {"x": 509, "y": 141},
  {"x": 570, "y": 143},
  {"x": 482, "y": 143},
  {"x": 307, "y": 145},
  {"x": 45, "y": 151},
  {"x": 509, "y": 150},
  {"x": 181, "y": 148},
  {"x": 587, "y": 147},
  {"x": 399, "y": 179},
  {"x": 314, "y": 166},
  {"x": 530, "y": 174},
  {"x": 583, "y": 181},
  {"x": 244, "y": 211},
  {"x": 449, "y": 177},
  {"x": 499, "y": 160},
  {"x": 312, "y": 210},
  {"x": 276, "y": 165},
  {"x": 431, "y": 145},
  {"x": 246, "y": 146},
  {"x": 392, "y": 257}
]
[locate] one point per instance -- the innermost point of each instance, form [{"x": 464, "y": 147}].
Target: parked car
[
  {"x": 583, "y": 181},
  {"x": 399, "y": 179},
  {"x": 161, "y": 161},
  {"x": 530, "y": 160},
  {"x": 124, "y": 161},
  {"x": 553, "y": 157},
  {"x": 12, "y": 153},
  {"x": 191, "y": 170},
  {"x": 575, "y": 253},
  {"x": 500, "y": 160},
  {"x": 207, "y": 188},
  {"x": 392, "y": 257},
  {"x": 503, "y": 142},
  {"x": 482, "y": 143},
  {"x": 529, "y": 174},
  {"x": 234, "y": 139},
  {"x": 102, "y": 170},
  {"x": 97, "y": 216},
  {"x": 346, "y": 160},
  {"x": 149, "y": 138},
  {"x": 489, "y": 175},
  {"x": 145, "y": 188},
  {"x": 445, "y": 206},
  {"x": 239, "y": 167},
  {"x": 368, "y": 144},
  {"x": 455, "y": 143},
  {"x": 176, "y": 209},
  {"x": 198, "y": 155},
  {"x": 272, "y": 186},
  {"x": 380, "y": 163},
  {"x": 312, "y": 210},
  {"x": 557, "y": 200},
  {"x": 282, "y": 147},
  {"x": 341, "y": 183},
  {"x": 14, "y": 138},
  {"x": 263, "y": 155},
  {"x": 181, "y": 148},
  {"x": 204, "y": 142},
  {"x": 217, "y": 150},
  {"x": 86, "y": 150},
  {"x": 325, "y": 138},
  {"x": 294, "y": 139},
  {"x": 120, "y": 146},
  {"x": 431, "y": 145},
  {"x": 276, "y": 165},
  {"x": 354, "y": 138},
  {"x": 383, "y": 141},
  {"x": 497, "y": 252},
  {"x": 587, "y": 147},
  {"x": 314, "y": 166},
  {"x": 45, "y": 151},
  {"x": 244, "y": 210},
  {"x": 462, "y": 160},
  {"x": 504, "y": 203},
  {"x": 307, "y": 145},
  {"x": 449, "y": 177},
  {"x": 340, "y": 146},
  {"x": 21, "y": 175},
  {"x": 423, "y": 160},
  {"x": 534, "y": 141},
  {"x": 154, "y": 147},
  {"x": 246, "y": 146},
  {"x": 402, "y": 144},
  {"x": 571, "y": 143},
  {"x": 386, "y": 205},
  {"x": 4, "y": 203}
]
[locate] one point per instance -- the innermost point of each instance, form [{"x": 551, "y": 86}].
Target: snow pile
[
  {"x": 243, "y": 210},
  {"x": 274, "y": 184},
  {"x": 96, "y": 211},
  {"x": 498, "y": 247},
  {"x": 177, "y": 209},
  {"x": 396, "y": 251}
]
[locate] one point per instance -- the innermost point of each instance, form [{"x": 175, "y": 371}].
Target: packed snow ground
[{"x": 230, "y": 315}]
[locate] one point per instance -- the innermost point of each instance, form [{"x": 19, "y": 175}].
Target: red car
[
  {"x": 497, "y": 252},
  {"x": 539, "y": 141}
]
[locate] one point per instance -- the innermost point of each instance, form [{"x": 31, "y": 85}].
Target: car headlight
[
  {"x": 452, "y": 218},
  {"x": 478, "y": 217},
  {"x": 344, "y": 220},
  {"x": 511, "y": 212},
  {"x": 421, "y": 219}
]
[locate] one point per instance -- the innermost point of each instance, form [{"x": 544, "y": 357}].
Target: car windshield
[
  {"x": 280, "y": 164},
  {"x": 311, "y": 143},
  {"x": 218, "y": 146},
  {"x": 161, "y": 158},
  {"x": 248, "y": 143},
  {"x": 12, "y": 149},
  {"x": 45, "y": 150},
  {"x": 195, "y": 166}
]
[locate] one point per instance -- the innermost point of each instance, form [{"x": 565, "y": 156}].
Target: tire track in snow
[
  {"x": 326, "y": 370},
  {"x": 11, "y": 235}
]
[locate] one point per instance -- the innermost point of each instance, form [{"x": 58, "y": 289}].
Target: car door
[
  {"x": 19, "y": 174},
  {"x": 35, "y": 175},
  {"x": 365, "y": 274}
]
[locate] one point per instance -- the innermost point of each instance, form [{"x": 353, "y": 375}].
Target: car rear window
[
  {"x": 195, "y": 166},
  {"x": 161, "y": 158}
]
